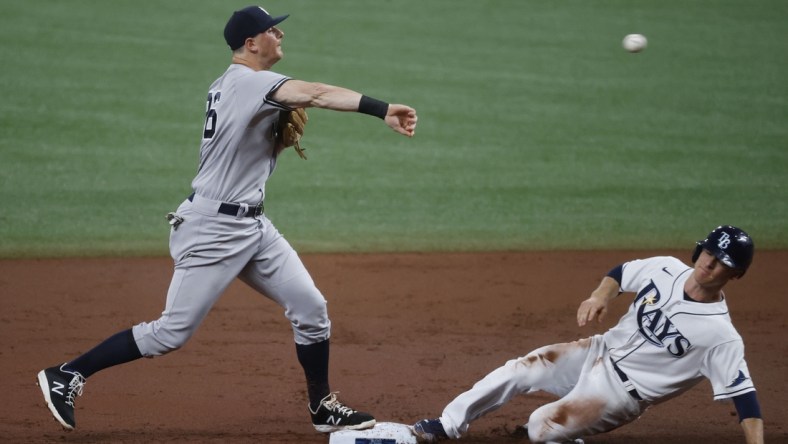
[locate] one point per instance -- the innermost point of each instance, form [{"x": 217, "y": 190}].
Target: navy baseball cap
[{"x": 248, "y": 22}]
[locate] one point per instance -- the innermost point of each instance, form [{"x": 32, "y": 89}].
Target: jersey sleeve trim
[
  {"x": 616, "y": 273},
  {"x": 727, "y": 395},
  {"x": 273, "y": 102}
]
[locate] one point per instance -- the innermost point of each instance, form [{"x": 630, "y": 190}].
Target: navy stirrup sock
[
  {"x": 314, "y": 360},
  {"x": 117, "y": 349}
]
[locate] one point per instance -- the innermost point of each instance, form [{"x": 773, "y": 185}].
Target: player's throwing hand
[{"x": 402, "y": 119}]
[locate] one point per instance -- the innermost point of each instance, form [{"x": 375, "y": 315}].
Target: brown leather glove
[{"x": 290, "y": 129}]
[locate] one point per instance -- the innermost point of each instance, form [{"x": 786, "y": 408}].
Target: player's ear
[{"x": 250, "y": 44}]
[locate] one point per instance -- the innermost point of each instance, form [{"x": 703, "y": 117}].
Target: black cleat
[
  {"x": 331, "y": 416},
  {"x": 60, "y": 387}
]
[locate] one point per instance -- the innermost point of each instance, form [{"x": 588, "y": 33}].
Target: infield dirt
[{"x": 410, "y": 331}]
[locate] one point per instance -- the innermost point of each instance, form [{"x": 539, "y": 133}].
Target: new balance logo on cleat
[
  {"x": 59, "y": 388},
  {"x": 331, "y": 416}
]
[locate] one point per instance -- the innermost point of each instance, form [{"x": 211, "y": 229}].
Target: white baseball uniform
[
  {"x": 210, "y": 247},
  {"x": 665, "y": 344}
]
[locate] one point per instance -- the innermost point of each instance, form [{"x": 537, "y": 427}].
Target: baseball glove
[{"x": 289, "y": 130}]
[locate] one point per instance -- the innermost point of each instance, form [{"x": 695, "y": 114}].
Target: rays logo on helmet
[
  {"x": 732, "y": 246},
  {"x": 725, "y": 240}
]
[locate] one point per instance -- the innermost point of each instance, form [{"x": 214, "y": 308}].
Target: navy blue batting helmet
[{"x": 730, "y": 245}]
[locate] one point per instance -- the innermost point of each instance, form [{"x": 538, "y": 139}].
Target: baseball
[{"x": 635, "y": 42}]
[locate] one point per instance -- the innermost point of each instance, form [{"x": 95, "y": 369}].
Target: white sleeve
[
  {"x": 637, "y": 273},
  {"x": 727, "y": 371},
  {"x": 633, "y": 273}
]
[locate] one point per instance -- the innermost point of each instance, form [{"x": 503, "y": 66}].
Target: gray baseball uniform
[
  {"x": 211, "y": 248},
  {"x": 220, "y": 231}
]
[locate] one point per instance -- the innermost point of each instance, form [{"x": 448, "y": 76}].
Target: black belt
[
  {"x": 625, "y": 379},
  {"x": 232, "y": 209}
]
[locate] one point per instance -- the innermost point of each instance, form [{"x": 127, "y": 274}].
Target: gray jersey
[
  {"x": 237, "y": 151},
  {"x": 211, "y": 248}
]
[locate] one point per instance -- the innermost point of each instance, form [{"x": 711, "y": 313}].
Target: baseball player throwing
[
  {"x": 221, "y": 232},
  {"x": 676, "y": 332}
]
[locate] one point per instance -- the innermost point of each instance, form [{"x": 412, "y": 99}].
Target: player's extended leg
[
  {"x": 598, "y": 403},
  {"x": 193, "y": 292},
  {"x": 209, "y": 251},
  {"x": 203, "y": 269},
  {"x": 188, "y": 301},
  {"x": 553, "y": 368},
  {"x": 278, "y": 273}
]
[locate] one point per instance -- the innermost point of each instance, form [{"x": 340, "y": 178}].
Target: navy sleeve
[
  {"x": 747, "y": 406},
  {"x": 616, "y": 273}
]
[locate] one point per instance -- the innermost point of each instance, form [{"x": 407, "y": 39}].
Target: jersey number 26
[{"x": 210, "y": 115}]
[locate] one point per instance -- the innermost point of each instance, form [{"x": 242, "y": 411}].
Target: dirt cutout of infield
[{"x": 410, "y": 332}]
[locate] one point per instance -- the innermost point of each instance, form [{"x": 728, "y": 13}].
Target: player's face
[
  {"x": 709, "y": 271},
  {"x": 269, "y": 43}
]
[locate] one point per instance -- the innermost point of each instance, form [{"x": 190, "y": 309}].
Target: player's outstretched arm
[
  {"x": 300, "y": 94},
  {"x": 595, "y": 307}
]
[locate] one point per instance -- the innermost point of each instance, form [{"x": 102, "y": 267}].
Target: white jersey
[
  {"x": 666, "y": 343},
  {"x": 237, "y": 150}
]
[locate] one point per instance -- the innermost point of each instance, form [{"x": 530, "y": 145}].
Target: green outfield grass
[{"x": 536, "y": 129}]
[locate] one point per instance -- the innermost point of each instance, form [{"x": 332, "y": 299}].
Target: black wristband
[{"x": 373, "y": 107}]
